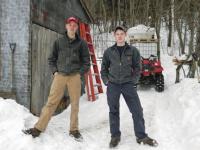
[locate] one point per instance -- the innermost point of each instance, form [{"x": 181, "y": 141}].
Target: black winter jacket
[
  {"x": 68, "y": 56},
  {"x": 122, "y": 69}
]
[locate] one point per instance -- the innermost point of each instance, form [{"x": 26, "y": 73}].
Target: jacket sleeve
[
  {"x": 136, "y": 64},
  {"x": 105, "y": 68},
  {"x": 52, "y": 60},
  {"x": 84, "y": 57}
]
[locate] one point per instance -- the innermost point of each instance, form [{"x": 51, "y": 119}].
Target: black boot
[
  {"x": 76, "y": 134},
  {"x": 32, "y": 131},
  {"x": 114, "y": 141},
  {"x": 149, "y": 141}
]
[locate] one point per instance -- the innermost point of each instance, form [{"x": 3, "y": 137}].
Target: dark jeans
[{"x": 132, "y": 100}]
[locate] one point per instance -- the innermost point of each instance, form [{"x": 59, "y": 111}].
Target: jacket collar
[
  {"x": 77, "y": 38},
  {"x": 114, "y": 47}
]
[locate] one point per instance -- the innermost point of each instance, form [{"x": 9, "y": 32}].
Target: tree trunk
[
  {"x": 179, "y": 30},
  {"x": 191, "y": 44},
  {"x": 119, "y": 12},
  {"x": 197, "y": 49},
  {"x": 132, "y": 12},
  {"x": 147, "y": 13},
  {"x": 159, "y": 8},
  {"x": 169, "y": 42}
]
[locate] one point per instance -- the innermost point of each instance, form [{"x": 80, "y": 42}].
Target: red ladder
[{"x": 90, "y": 86}]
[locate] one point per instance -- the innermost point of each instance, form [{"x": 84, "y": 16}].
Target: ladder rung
[
  {"x": 95, "y": 74},
  {"x": 97, "y": 84},
  {"x": 91, "y": 53},
  {"x": 89, "y": 43},
  {"x": 95, "y": 94},
  {"x": 94, "y": 64},
  {"x": 87, "y": 32}
]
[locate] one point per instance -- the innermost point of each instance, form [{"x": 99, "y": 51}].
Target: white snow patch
[{"x": 171, "y": 117}]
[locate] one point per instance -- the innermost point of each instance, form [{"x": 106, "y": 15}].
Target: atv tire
[{"x": 159, "y": 83}]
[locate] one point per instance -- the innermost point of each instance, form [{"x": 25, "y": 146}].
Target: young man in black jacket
[
  {"x": 120, "y": 71},
  {"x": 68, "y": 58}
]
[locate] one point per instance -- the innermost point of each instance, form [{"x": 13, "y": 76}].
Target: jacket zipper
[
  {"x": 120, "y": 63},
  {"x": 123, "y": 52}
]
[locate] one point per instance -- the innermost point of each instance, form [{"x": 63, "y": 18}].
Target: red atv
[
  {"x": 147, "y": 43},
  {"x": 152, "y": 72}
]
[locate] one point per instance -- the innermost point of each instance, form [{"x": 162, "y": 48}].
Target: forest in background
[
  {"x": 183, "y": 15},
  {"x": 179, "y": 16}
]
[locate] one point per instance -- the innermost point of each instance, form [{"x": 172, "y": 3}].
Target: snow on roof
[{"x": 141, "y": 31}]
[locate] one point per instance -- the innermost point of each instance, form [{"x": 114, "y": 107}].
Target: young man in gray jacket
[
  {"x": 120, "y": 71},
  {"x": 68, "y": 58}
]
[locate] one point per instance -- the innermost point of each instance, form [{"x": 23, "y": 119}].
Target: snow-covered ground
[{"x": 172, "y": 117}]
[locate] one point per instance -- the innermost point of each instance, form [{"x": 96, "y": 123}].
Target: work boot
[
  {"x": 149, "y": 141},
  {"x": 76, "y": 135},
  {"x": 32, "y": 131},
  {"x": 114, "y": 141}
]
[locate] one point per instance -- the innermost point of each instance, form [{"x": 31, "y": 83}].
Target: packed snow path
[{"x": 171, "y": 117}]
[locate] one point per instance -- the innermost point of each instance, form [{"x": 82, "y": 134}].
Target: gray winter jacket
[
  {"x": 68, "y": 56},
  {"x": 122, "y": 69}
]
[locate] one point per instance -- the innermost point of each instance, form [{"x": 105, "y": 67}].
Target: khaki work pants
[{"x": 59, "y": 84}]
